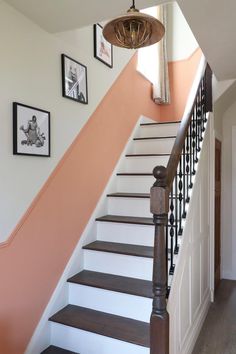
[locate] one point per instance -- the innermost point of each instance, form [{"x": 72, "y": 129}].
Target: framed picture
[
  {"x": 31, "y": 131},
  {"x": 103, "y": 50},
  {"x": 74, "y": 80}
]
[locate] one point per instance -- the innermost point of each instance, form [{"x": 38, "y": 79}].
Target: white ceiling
[
  {"x": 62, "y": 15},
  {"x": 213, "y": 22}
]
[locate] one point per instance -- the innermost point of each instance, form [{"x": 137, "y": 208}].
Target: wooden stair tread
[
  {"x": 134, "y": 174},
  {"x": 56, "y": 350},
  {"x": 145, "y": 155},
  {"x": 117, "y": 283},
  {"x": 120, "y": 248},
  {"x": 156, "y": 137},
  {"x": 132, "y": 195},
  {"x": 160, "y": 123},
  {"x": 105, "y": 324},
  {"x": 126, "y": 219},
  {"x": 129, "y": 195}
]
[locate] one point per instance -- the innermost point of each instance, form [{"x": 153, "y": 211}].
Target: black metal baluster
[
  {"x": 180, "y": 187},
  {"x": 187, "y": 163},
  {"x": 198, "y": 127},
  {"x": 194, "y": 140},
  {"x": 172, "y": 221},
  {"x": 191, "y": 153},
  {"x": 200, "y": 120},
  {"x": 176, "y": 215},
  {"x": 167, "y": 257},
  {"x": 185, "y": 182}
]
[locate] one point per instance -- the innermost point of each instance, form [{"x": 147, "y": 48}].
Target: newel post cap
[{"x": 159, "y": 193}]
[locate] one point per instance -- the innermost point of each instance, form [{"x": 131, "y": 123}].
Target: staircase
[
  {"x": 110, "y": 301},
  {"x": 128, "y": 268}
]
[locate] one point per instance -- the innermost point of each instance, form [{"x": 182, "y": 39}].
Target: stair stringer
[
  {"x": 60, "y": 297},
  {"x": 190, "y": 294}
]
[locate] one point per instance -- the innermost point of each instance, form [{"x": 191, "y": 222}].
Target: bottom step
[
  {"x": 105, "y": 324},
  {"x": 56, "y": 350}
]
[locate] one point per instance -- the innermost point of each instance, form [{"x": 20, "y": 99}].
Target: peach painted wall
[
  {"x": 181, "y": 75},
  {"x": 34, "y": 257}
]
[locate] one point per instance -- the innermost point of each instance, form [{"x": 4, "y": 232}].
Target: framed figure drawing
[
  {"x": 31, "y": 131},
  {"x": 103, "y": 50},
  {"x": 74, "y": 80}
]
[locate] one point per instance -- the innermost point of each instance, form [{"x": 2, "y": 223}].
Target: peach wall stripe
[{"x": 34, "y": 257}]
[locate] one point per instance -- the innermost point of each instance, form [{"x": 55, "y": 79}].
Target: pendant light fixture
[{"x": 133, "y": 30}]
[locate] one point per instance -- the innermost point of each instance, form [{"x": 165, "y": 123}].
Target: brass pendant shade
[{"x": 133, "y": 30}]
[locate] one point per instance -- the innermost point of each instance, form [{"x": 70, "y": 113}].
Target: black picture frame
[
  {"x": 31, "y": 131},
  {"x": 74, "y": 80},
  {"x": 103, "y": 50}
]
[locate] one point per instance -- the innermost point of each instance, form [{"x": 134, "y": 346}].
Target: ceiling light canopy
[{"x": 134, "y": 30}]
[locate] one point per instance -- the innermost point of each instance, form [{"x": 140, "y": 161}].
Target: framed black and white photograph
[
  {"x": 74, "y": 80},
  {"x": 103, "y": 50},
  {"x": 31, "y": 130}
]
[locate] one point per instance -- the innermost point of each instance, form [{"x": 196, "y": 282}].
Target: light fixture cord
[{"x": 133, "y": 6}]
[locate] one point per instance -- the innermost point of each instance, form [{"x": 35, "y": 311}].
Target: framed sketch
[
  {"x": 31, "y": 131},
  {"x": 74, "y": 80},
  {"x": 103, "y": 50}
]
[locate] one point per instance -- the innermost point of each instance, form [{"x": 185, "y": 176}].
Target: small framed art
[
  {"x": 74, "y": 80},
  {"x": 31, "y": 130},
  {"x": 103, "y": 50}
]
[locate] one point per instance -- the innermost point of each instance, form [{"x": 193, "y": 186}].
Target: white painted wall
[
  {"x": 30, "y": 73},
  {"x": 181, "y": 42},
  {"x": 191, "y": 288},
  {"x": 228, "y": 203}
]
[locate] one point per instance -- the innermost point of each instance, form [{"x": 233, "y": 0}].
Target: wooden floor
[{"x": 218, "y": 335}]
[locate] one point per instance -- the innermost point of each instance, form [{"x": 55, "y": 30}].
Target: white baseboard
[{"x": 228, "y": 275}]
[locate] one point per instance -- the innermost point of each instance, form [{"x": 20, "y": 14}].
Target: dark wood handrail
[
  {"x": 181, "y": 135},
  {"x": 176, "y": 176}
]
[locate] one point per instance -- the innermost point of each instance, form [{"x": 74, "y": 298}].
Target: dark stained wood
[
  {"x": 159, "y": 323},
  {"x": 126, "y": 219},
  {"x": 132, "y": 286},
  {"x": 56, "y": 350},
  {"x": 156, "y": 137},
  {"x": 134, "y": 174},
  {"x": 160, "y": 123},
  {"x": 105, "y": 324},
  {"x": 217, "y": 212},
  {"x": 120, "y": 248},
  {"x": 145, "y": 155},
  {"x": 209, "y": 104},
  {"x": 130, "y": 195},
  {"x": 179, "y": 143}
]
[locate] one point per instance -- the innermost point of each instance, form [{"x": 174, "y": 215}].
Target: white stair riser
[
  {"x": 129, "y": 206},
  {"x": 134, "y": 184},
  {"x": 152, "y": 146},
  {"x": 143, "y": 164},
  {"x": 119, "y": 264},
  {"x": 157, "y": 130},
  {"x": 90, "y": 343},
  {"x": 125, "y": 233},
  {"x": 136, "y": 307}
]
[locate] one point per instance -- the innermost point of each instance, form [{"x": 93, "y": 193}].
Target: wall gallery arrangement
[
  {"x": 31, "y": 126},
  {"x": 74, "y": 80},
  {"x": 103, "y": 50},
  {"x": 31, "y": 131}
]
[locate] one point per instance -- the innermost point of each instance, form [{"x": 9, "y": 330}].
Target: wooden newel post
[{"x": 159, "y": 323}]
